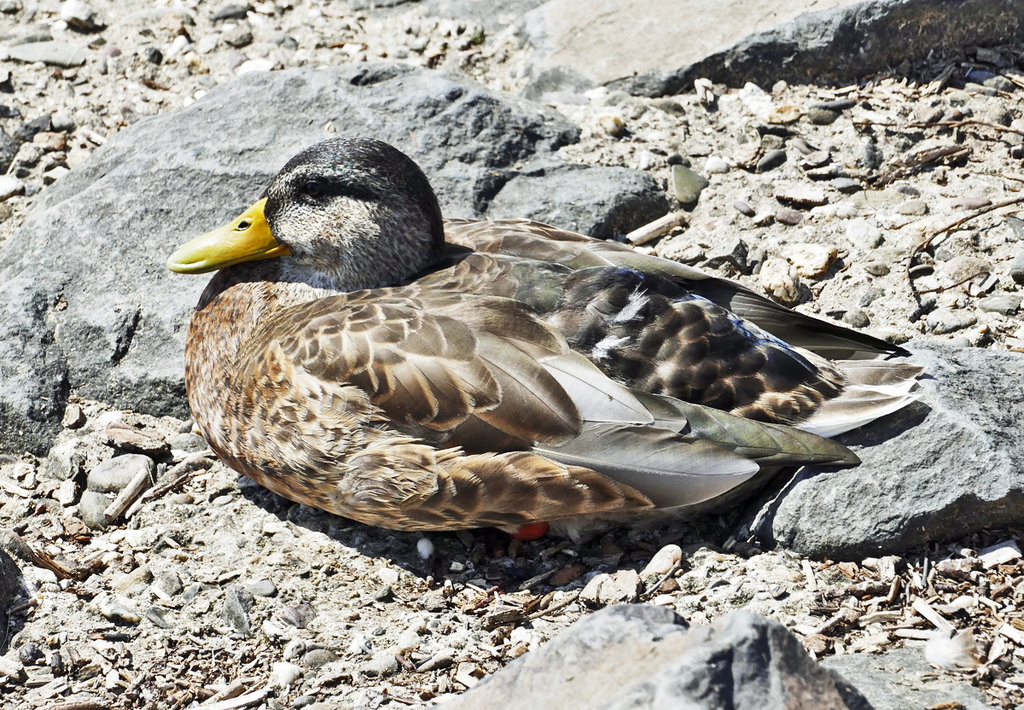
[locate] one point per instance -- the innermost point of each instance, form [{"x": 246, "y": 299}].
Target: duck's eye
[{"x": 313, "y": 188}]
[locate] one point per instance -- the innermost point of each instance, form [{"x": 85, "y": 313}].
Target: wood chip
[
  {"x": 809, "y": 575},
  {"x": 241, "y": 701},
  {"x": 658, "y": 228},
  {"x": 925, "y": 610},
  {"x": 1012, "y": 633},
  {"x": 999, "y": 554}
]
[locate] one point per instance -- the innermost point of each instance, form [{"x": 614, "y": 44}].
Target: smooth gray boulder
[
  {"x": 87, "y": 304},
  {"x": 945, "y": 466},
  {"x": 642, "y": 656},
  {"x": 658, "y": 47}
]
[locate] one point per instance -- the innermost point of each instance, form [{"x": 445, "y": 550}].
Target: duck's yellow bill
[{"x": 246, "y": 238}]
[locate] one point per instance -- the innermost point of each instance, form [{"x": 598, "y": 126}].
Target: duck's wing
[{"x": 533, "y": 240}]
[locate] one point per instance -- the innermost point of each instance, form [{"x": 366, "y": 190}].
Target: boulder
[
  {"x": 643, "y": 656},
  {"x": 949, "y": 464}
]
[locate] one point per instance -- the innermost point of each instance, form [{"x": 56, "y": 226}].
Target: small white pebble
[
  {"x": 663, "y": 560},
  {"x": 425, "y": 548}
]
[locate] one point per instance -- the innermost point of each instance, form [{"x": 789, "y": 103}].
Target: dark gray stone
[
  {"x": 235, "y": 613},
  {"x": 8, "y": 149},
  {"x": 1005, "y": 303},
  {"x": 640, "y": 656},
  {"x": 903, "y": 679},
  {"x": 625, "y": 199},
  {"x": 943, "y": 467},
  {"x": 1017, "y": 268},
  {"x": 11, "y": 587},
  {"x": 100, "y": 315}
]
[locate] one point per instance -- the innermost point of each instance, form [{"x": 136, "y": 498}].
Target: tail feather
[{"x": 874, "y": 389}]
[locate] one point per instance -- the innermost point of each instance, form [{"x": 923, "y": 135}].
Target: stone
[
  {"x": 801, "y": 194},
  {"x": 10, "y": 186},
  {"x": 716, "y": 166},
  {"x": 80, "y": 16},
  {"x": 856, "y": 318},
  {"x": 643, "y": 656},
  {"x": 91, "y": 507},
  {"x": 117, "y": 334},
  {"x": 1017, "y": 268},
  {"x": 958, "y": 451},
  {"x": 565, "y": 197},
  {"x": 58, "y": 54},
  {"x": 8, "y": 150},
  {"x": 779, "y": 280},
  {"x": 380, "y": 665},
  {"x": 912, "y": 208},
  {"x": 1006, "y": 303},
  {"x": 11, "y": 588},
  {"x": 901, "y": 678},
  {"x": 943, "y": 320},
  {"x": 687, "y": 185},
  {"x": 621, "y": 587},
  {"x": 112, "y": 475},
  {"x": 811, "y": 260},
  {"x": 771, "y": 160},
  {"x": 663, "y": 561},
  {"x": 821, "y": 116},
  {"x": 788, "y": 215},
  {"x": 235, "y": 612}
]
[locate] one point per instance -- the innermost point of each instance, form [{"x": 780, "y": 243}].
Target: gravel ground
[{"x": 215, "y": 590}]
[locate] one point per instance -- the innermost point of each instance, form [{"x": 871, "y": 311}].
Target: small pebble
[
  {"x": 381, "y": 665},
  {"x": 112, "y": 475},
  {"x": 235, "y": 613},
  {"x": 117, "y": 610},
  {"x": 10, "y": 186},
  {"x": 30, "y": 654},
  {"x": 612, "y": 124},
  {"x": 318, "y": 657},
  {"x": 621, "y": 587},
  {"x": 800, "y": 194},
  {"x": 771, "y": 160},
  {"x": 788, "y": 215},
  {"x": 779, "y": 279},
  {"x": 664, "y": 559},
  {"x": 857, "y": 318},
  {"x": 687, "y": 184},
  {"x": 262, "y": 588},
  {"x": 299, "y": 615},
  {"x": 821, "y": 116},
  {"x": 941, "y": 321},
  {"x": 1017, "y": 268},
  {"x": 1006, "y": 303},
  {"x": 91, "y": 508},
  {"x": 877, "y": 268},
  {"x": 811, "y": 260},
  {"x": 743, "y": 208},
  {"x": 912, "y": 208},
  {"x": 716, "y": 166},
  {"x": 73, "y": 417}
]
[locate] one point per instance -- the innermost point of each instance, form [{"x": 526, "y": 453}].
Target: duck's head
[{"x": 343, "y": 214}]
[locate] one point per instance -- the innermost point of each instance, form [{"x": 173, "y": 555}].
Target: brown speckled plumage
[{"x": 517, "y": 373}]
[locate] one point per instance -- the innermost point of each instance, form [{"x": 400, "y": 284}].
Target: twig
[
  {"x": 240, "y": 702},
  {"x": 657, "y": 228},
  {"x": 128, "y": 495},
  {"x": 556, "y": 607},
  {"x": 925, "y": 610},
  {"x": 649, "y": 592},
  {"x": 175, "y": 476}
]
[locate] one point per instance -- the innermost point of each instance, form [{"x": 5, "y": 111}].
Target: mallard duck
[{"x": 358, "y": 354}]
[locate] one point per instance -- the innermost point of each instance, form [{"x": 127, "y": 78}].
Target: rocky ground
[{"x": 888, "y": 205}]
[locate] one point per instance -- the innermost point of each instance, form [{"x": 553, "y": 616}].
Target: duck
[{"x": 357, "y": 353}]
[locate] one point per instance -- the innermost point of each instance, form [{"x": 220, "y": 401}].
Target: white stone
[
  {"x": 283, "y": 674},
  {"x": 254, "y": 65},
  {"x": 10, "y": 186},
  {"x": 664, "y": 559},
  {"x": 716, "y": 165}
]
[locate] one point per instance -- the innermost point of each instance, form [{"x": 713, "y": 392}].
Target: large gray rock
[
  {"x": 950, "y": 464},
  {"x": 87, "y": 304},
  {"x": 638, "y": 656},
  {"x": 657, "y": 47}
]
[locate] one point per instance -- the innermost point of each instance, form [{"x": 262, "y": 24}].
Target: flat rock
[
  {"x": 101, "y": 316},
  {"x": 903, "y": 679},
  {"x": 946, "y": 466},
  {"x": 58, "y": 54},
  {"x": 658, "y": 47},
  {"x": 641, "y": 656}
]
